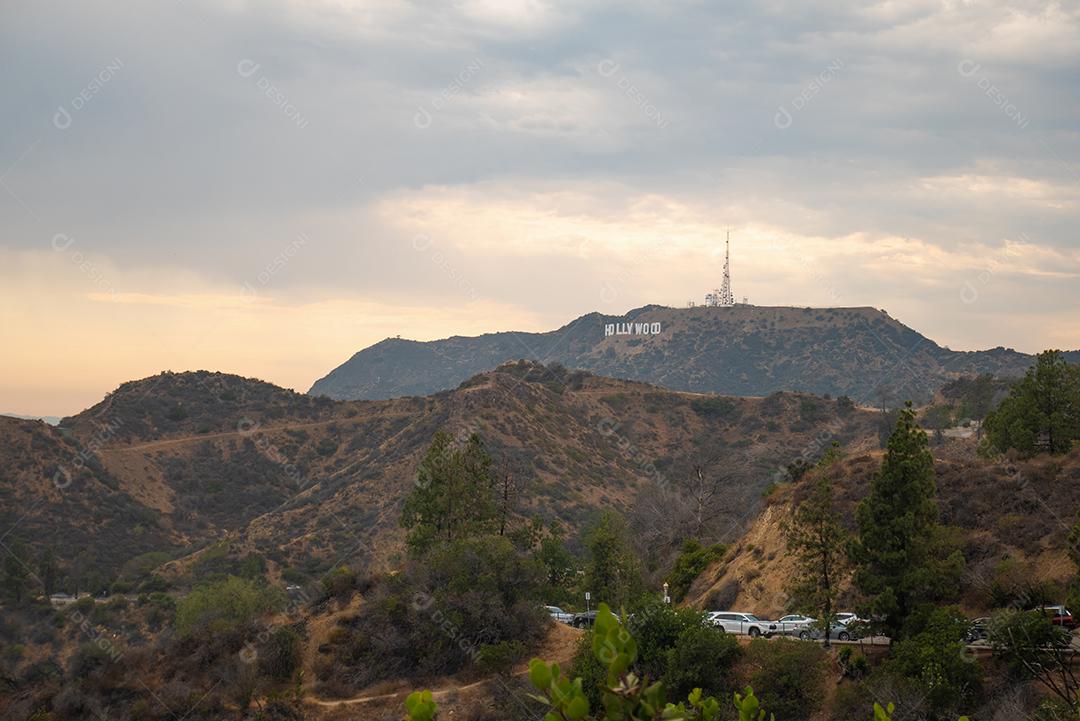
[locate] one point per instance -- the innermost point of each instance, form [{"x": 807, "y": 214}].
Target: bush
[
  {"x": 701, "y": 658},
  {"x": 87, "y": 658},
  {"x": 225, "y": 606},
  {"x": 438, "y": 614},
  {"x": 657, "y": 626},
  {"x": 693, "y": 559},
  {"x": 935, "y": 658},
  {"x": 589, "y": 669},
  {"x": 499, "y": 657},
  {"x": 282, "y": 655},
  {"x": 339, "y": 584},
  {"x": 788, "y": 676}
]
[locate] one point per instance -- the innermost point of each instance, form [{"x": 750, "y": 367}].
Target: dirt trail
[{"x": 169, "y": 442}]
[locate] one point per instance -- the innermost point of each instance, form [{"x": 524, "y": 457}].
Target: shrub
[
  {"x": 224, "y": 606},
  {"x": 693, "y": 559},
  {"x": 935, "y": 658},
  {"x": 499, "y": 657},
  {"x": 282, "y": 654},
  {"x": 440, "y": 612},
  {"x": 339, "y": 584},
  {"x": 88, "y": 658},
  {"x": 789, "y": 675},
  {"x": 701, "y": 658}
]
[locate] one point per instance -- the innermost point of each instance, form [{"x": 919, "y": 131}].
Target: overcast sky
[{"x": 267, "y": 187}]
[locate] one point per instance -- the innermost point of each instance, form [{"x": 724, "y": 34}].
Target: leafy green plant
[{"x": 626, "y": 696}]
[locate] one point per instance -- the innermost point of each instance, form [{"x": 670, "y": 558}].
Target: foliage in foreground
[{"x": 626, "y": 697}]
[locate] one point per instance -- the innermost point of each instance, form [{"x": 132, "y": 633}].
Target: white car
[
  {"x": 846, "y": 617},
  {"x": 745, "y": 623},
  {"x": 557, "y": 614}
]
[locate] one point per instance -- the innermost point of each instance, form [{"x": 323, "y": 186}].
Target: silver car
[
  {"x": 744, "y": 623},
  {"x": 795, "y": 625},
  {"x": 557, "y": 614}
]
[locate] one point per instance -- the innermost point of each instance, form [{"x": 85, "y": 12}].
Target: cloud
[{"x": 596, "y": 149}]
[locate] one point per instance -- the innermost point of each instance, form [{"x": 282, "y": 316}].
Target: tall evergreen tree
[
  {"x": 899, "y": 553},
  {"x": 453, "y": 496},
  {"x": 16, "y": 572},
  {"x": 1042, "y": 412},
  {"x": 613, "y": 574},
  {"x": 818, "y": 544},
  {"x": 48, "y": 571}
]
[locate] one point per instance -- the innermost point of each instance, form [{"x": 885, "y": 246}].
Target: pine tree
[
  {"x": 818, "y": 543},
  {"x": 48, "y": 571},
  {"x": 453, "y": 496},
  {"x": 16, "y": 572},
  {"x": 612, "y": 574},
  {"x": 899, "y": 554},
  {"x": 1042, "y": 412}
]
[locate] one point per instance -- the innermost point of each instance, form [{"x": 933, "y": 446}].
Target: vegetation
[
  {"x": 818, "y": 543},
  {"x": 1042, "y": 413},
  {"x": 899, "y": 553},
  {"x": 613, "y": 573},
  {"x": 1036, "y": 649},
  {"x": 626, "y": 696},
  {"x": 453, "y": 497},
  {"x": 469, "y": 600},
  {"x": 789, "y": 675},
  {"x": 222, "y": 607},
  {"x": 693, "y": 559},
  {"x": 934, "y": 658}
]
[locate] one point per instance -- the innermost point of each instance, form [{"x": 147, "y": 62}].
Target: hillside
[
  {"x": 1011, "y": 520},
  {"x": 743, "y": 351},
  {"x": 301, "y": 480}
]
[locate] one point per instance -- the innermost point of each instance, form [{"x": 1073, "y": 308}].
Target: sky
[{"x": 265, "y": 188}]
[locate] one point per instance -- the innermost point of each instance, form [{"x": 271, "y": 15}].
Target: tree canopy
[
  {"x": 899, "y": 554},
  {"x": 1042, "y": 412}
]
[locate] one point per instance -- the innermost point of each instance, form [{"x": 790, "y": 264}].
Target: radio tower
[
  {"x": 726, "y": 298},
  {"x": 723, "y": 297}
]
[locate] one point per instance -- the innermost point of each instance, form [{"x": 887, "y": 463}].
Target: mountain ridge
[{"x": 743, "y": 350}]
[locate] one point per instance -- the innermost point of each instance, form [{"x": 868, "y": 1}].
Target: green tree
[
  {"x": 453, "y": 496},
  {"x": 225, "y": 606},
  {"x": 48, "y": 571},
  {"x": 1036, "y": 649},
  {"x": 559, "y": 564},
  {"x": 1042, "y": 412},
  {"x": 16, "y": 573},
  {"x": 613, "y": 574},
  {"x": 899, "y": 553},
  {"x": 818, "y": 543},
  {"x": 935, "y": 658}
]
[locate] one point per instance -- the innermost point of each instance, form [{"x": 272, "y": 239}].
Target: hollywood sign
[{"x": 611, "y": 329}]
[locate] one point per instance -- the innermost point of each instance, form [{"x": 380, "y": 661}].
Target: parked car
[
  {"x": 846, "y": 617},
  {"x": 583, "y": 620},
  {"x": 1059, "y": 616},
  {"x": 744, "y": 623},
  {"x": 837, "y": 632},
  {"x": 794, "y": 624},
  {"x": 557, "y": 614},
  {"x": 978, "y": 630}
]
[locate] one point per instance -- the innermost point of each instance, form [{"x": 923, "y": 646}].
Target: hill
[
  {"x": 1011, "y": 519},
  {"x": 300, "y": 481},
  {"x": 743, "y": 351}
]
